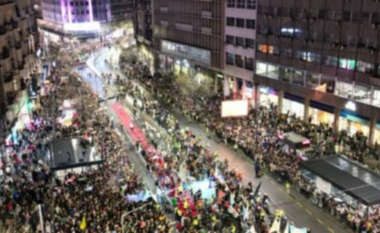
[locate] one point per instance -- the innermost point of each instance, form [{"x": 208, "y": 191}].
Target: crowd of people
[
  {"x": 92, "y": 200},
  {"x": 257, "y": 136}
]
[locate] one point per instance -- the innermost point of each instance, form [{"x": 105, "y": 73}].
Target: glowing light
[
  {"x": 87, "y": 26},
  {"x": 350, "y": 106}
]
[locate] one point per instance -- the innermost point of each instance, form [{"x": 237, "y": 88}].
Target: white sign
[{"x": 235, "y": 108}]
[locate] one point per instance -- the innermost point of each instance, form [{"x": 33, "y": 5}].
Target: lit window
[{"x": 347, "y": 64}]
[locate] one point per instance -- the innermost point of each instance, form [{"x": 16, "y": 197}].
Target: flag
[
  {"x": 257, "y": 190},
  {"x": 221, "y": 194},
  {"x": 226, "y": 86},
  {"x": 83, "y": 224}
]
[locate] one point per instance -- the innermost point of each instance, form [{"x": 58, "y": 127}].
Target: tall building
[
  {"x": 189, "y": 34},
  {"x": 319, "y": 59},
  {"x": 143, "y": 29},
  {"x": 82, "y": 18},
  {"x": 17, "y": 57}
]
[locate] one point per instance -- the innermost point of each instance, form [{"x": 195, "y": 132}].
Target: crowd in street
[
  {"x": 92, "y": 200},
  {"x": 257, "y": 136}
]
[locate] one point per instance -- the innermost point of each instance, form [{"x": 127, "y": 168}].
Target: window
[
  {"x": 347, "y": 64},
  {"x": 230, "y": 39},
  {"x": 240, "y": 4},
  {"x": 250, "y": 23},
  {"x": 240, "y": 41},
  {"x": 251, "y": 4},
  {"x": 249, "y": 63},
  {"x": 239, "y": 61},
  {"x": 239, "y": 22},
  {"x": 230, "y": 59},
  {"x": 249, "y": 43},
  {"x": 331, "y": 61},
  {"x": 365, "y": 67},
  {"x": 231, "y": 3},
  {"x": 230, "y": 21},
  {"x": 263, "y": 48}
]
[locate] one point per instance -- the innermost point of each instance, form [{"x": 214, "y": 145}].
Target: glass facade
[{"x": 189, "y": 52}]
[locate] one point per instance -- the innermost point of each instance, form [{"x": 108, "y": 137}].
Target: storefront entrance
[
  {"x": 267, "y": 97},
  {"x": 354, "y": 123},
  {"x": 321, "y": 114},
  {"x": 293, "y": 105}
]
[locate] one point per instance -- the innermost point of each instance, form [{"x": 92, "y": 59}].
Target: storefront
[
  {"x": 293, "y": 104},
  {"x": 267, "y": 96},
  {"x": 321, "y": 113},
  {"x": 377, "y": 133},
  {"x": 353, "y": 123}
]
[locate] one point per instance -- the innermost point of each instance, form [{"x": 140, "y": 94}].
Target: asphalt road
[{"x": 297, "y": 208}]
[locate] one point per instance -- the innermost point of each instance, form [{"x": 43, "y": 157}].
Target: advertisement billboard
[{"x": 234, "y": 108}]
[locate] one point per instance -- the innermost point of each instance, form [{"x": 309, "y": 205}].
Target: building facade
[
  {"x": 189, "y": 34},
  {"x": 319, "y": 60},
  {"x": 81, "y": 18},
  {"x": 239, "y": 43},
  {"x": 18, "y": 34},
  {"x": 121, "y": 10}
]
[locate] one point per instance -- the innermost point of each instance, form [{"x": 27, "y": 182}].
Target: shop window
[
  {"x": 230, "y": 39},
  {"x": 240, "y": 41},
  {"x": 240, "y": 22},
  {"x": 365, "y": 67},
  {"x": 249, "y": 43},
  {"x": 250, "y": 23},
  {"x": 230, "y": 59},
  {"x": 239, "y": 61},
  {"x": 230, "y": 21},
  {"x": 347, "y": 64}
]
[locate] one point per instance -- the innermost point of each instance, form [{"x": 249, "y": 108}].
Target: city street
[{"x": 297, "y": 208}]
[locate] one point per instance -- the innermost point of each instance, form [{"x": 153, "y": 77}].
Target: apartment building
[
  {"x": 17, "y": 57},
  {"x": 189, "y": 34},
  {"x": 79, "y": 18},
  {"x": 319, "y": 60},
  {"x": 240, "y": 33}
]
